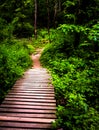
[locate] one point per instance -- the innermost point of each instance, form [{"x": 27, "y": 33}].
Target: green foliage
[
  {"x": 27, "y": 44},
  {"x": 6, "y": 31},
  {"x": 81, "y": 12},
  {"x": 73, "y": 121},
  {"x": 76, "y": 88},
  {"x": 93, "y": 37},
  {"x": 43, "y": 38},
  {"x": 72, "y": 28},
  {"x": 14, "y": 60},
  {"x": 72, "y": 54},
  {"x": 75, "y": 78},
  {"x": 94, "y": 33},
  {"x": 19, "y": 16}
]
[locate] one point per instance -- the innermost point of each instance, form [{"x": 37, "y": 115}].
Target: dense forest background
[{"x": 69, "y": 30}]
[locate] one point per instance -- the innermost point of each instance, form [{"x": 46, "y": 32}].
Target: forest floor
[{"x": 35, "y": 57}]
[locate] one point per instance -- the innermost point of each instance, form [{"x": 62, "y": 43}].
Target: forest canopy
[{"x": 70, "y": 31}]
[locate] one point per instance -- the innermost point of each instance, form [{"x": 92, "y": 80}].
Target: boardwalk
[{"x": 30, "y": 104}]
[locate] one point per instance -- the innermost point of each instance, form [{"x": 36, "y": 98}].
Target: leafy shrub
[
  {"x": 27, "y": 44},
  {"x": 14, "y": 59},
  {"x": 75, "y": 78},
  {"x": 43, "y": 38},
  {"x": 76, "y": 94},
  {"x": 6, "y": 30}
]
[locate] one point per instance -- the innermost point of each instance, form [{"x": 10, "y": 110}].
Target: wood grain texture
[{"x": 30, "y": 104}]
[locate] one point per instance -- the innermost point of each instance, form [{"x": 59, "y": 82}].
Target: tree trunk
[
  {"x": 59, "y": 6},
  {"x": 77, "y": 22},
  {"x": 48, "y": 18},
  {"x": 55, "y": 12},
  {"x": 35, "y": 21}
]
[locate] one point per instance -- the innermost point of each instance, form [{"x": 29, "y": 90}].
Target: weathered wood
[
  {"x": 5, "y": 128},
  {"x": 35, "y": 89},
  {"x": 33, "y": 85},
  {"x": 24, "y": 91},
  {"x": 29, "y": 115},
  {"x": 28, "y": 107},
  {"x": 30, "y": 104},
  {"x": 21, "y": 119},
  {"x": 30, "y": 100},
  {"x": 24, "y": 125},
  {"x": 26, "y": 110},
  {"x": 30, "y": 96}
]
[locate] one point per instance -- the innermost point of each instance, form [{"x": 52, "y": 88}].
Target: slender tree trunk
[
  {"x": 48, "y": 19},
  {"x": 55, "y": 12},
  {"x": 35, "y": 21},
  {"x": 59, "y": 6},
  {"x": 48, "y": 16},
  {"x": 78, "y": 22}
]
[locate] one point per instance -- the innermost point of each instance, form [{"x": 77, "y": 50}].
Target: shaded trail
[
  {"x": 35, "y": 58},
  {"x": 30, "y": 104}
]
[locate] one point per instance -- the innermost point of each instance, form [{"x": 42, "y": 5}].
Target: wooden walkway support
[{"x": 30, "y": 104}]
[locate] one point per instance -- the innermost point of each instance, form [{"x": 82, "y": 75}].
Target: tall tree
[
  {"x": 48, "y": 16},
  {"x": 59, "y": 5},
  {"x": 35, "y": 21},
  {"x": 55, "y": 12}
]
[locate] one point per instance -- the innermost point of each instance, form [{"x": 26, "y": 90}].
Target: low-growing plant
[
  {"x": 14, "y": 60},
  {"x": 75, "y": 79}
]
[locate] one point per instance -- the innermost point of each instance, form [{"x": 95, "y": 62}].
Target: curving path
[{"x": 30, "y": 104}]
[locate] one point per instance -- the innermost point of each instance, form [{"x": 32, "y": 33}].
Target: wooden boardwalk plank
[
  {"x": 21, "y": 119},
  {"x": 29, "y": 115},
  {"x": 30, "y": 104},
  {"x": 24, "y": 125},
  {"x": 30, "y": 96},
  {"x": 30, "y": 100},
  {"x": 26, "y": 110},
  {"x": 32, "y": 91},
  {"x": 29, "y": 107}
]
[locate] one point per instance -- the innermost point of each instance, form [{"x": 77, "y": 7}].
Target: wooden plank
[
  {"x": 26, "y": 110},
  {"x": 31, "y": 100},
  {"x": 31, "y": 80},
  {"x": 32, "y": 94},
  {"x": 31, "y": 89},
  {"x": 24, "y": 125},
  {"x": 29, "y": 115},
  {"x": 29, "y": 103},
  {"x": 46, "y": 92},
  {"x": 34, "y": 84},
  {"x": 5, "y": 128},
  {"x": 28, "y": 107},
  {"x": 21, "y": 119},
  {"x": 29, "y": 96}
]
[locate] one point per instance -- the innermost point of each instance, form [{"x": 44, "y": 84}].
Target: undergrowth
[
  {"x": 75, "y": 78},
  {"x": 14, "y": 60},
  {"x": 15, "y": 55}
]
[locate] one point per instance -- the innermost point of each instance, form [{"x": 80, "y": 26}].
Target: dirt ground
[{"x": 35, "y": 57}]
